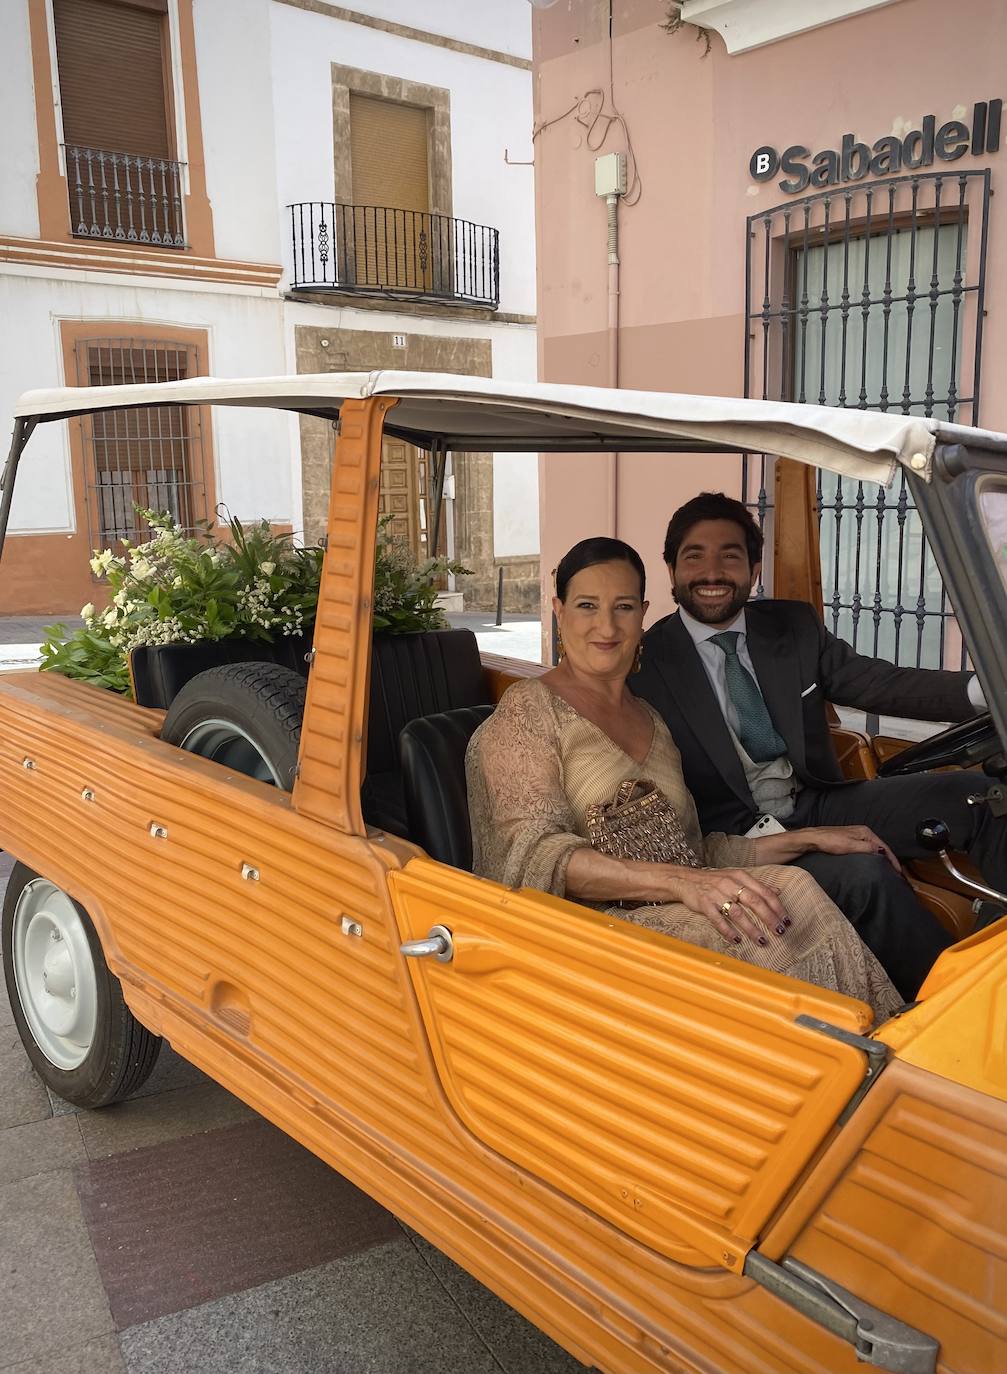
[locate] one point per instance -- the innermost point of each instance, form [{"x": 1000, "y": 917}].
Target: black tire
[
  {"x": 246, "y": 716},
  {"x": 121, "y": 1053}
]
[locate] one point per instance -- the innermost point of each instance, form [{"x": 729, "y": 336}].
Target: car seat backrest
[
  {"x": 412, "y": 675},
  {"x": 432, "y": 751}
]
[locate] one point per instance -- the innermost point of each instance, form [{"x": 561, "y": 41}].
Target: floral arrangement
[
  {"x": 179, "y": 589},
  {"x": 405, "y": 591}
]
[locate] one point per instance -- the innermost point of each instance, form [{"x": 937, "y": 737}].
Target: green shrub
[{"x": 180, "y": 589}]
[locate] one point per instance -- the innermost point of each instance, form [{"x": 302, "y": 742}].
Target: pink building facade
[{"x": 812, "y": 218}]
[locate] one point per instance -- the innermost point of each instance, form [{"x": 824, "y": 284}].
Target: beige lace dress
[{"x": 533, "y": 770}]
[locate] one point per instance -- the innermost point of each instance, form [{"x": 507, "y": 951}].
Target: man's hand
[{"x": 823, "y": 839}]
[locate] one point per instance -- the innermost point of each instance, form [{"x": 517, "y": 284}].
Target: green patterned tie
[{"x": 755, "y": 727}]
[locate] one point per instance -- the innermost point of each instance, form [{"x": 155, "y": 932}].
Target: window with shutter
[
  {"x": 151, "y": 457},
  {"x": 114, "y": 77},
  {"x": 389, "y": 223}
]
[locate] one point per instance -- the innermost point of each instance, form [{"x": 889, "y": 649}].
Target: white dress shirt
[{"x": 772, "y": 783}]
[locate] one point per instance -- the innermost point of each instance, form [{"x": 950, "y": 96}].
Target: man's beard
[{"x": 720, "y": 613}]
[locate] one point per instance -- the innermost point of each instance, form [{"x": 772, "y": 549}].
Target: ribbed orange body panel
[
  {"x": 330, "y": 765},
  {"x": 333, "y": 1048},
  {"x": 665, "y": 1087},
  {"x": 909, "y": 1209}
]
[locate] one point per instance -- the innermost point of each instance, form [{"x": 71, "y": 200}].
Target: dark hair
[
  {"x": 712, "y": 505},
  {"x": 590, "y": 552}
]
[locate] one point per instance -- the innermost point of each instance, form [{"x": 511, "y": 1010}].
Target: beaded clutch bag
[{"x": 640, "y": 823}]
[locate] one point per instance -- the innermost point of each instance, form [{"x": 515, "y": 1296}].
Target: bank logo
[{"x": 887, "y": 156}]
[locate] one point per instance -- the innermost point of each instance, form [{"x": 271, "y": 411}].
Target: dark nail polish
[
  {"x": 763, "y": 940},
  {"x": 787, "y": 921},
  {"x": 881, "y": 849},
  {"x": 737, "y": 939},
  {"x": 780, "y": 928}
]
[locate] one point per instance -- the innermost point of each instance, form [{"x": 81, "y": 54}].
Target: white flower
[
  {"x": 142, "y": 567},
  {"x": 268, "y": 568},
  {"x": 176, "y": 581},
  {"x": 120, "y": 598},
  {"x": 87, "y": 612},
  {"x": 101, "y": 561},
  {"x": 110, "y": 617}
]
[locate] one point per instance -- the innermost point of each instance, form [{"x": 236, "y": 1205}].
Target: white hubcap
[{"x": 55, "y": 975}]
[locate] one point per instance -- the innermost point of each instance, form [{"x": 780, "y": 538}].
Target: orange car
[{"x": 667, "y": 1160}]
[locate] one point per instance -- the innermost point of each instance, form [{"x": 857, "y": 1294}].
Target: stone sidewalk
[{"x": 180, "y": 1233}]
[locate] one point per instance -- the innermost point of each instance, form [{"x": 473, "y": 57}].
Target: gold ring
[
  {"x": 739, "y": 894},
  {"x": 725, "y": 908}
]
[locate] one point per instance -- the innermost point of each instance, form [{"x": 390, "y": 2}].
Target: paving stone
[
  {"x": 144, "y": 1121},
  {"x": 171, "y": 1071},
  {"x": 193, "y": 1219},
  {"x": 39, "y": 1147},
  {"x": 53, "y": 1299},
  {"x": 518, "y": 1345},
  {"x": 101, "y": 1356},
  {"x": 381, "y": 1312},
  {"x": 22, "y": 1093}
]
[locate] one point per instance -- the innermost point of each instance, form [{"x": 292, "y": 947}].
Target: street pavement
[{"x": 180, "y": 1233}]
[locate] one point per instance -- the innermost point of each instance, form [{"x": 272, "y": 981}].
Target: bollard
[{"x": 499, "y": 596}]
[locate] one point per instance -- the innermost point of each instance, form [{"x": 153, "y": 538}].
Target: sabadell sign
[{"x": 887, "y": 156}]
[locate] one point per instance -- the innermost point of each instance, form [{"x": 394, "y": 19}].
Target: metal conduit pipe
[{"x": 612, "y": 206}]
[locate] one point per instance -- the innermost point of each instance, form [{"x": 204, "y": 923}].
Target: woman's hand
[
  {"x": 822, "y": 839},
  {"x": 753, "y": 908}
]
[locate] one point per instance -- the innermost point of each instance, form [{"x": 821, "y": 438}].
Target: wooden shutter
[
  {"x": 390, "y": 224},
  {"x": 112, "y": 76},
  {"x": 388, "y": 150}
]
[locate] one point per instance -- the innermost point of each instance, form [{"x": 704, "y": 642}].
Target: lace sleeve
[
  {"x": 523, "y": 830},
  {"x": 729, "y": 851}
]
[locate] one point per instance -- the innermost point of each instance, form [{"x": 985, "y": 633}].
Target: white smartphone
[{"x": 765, "y": 825}]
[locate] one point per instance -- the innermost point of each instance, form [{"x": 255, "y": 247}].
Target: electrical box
[{"x": 610, "y": 175}]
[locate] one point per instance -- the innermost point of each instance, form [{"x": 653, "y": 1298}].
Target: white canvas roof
[{"x": 476, "y": 413}]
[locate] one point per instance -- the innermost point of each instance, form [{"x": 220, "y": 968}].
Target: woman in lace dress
[{"x": 560, "y": 743}]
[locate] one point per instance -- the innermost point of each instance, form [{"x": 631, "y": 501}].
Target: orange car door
[{"x": 675, "y": 1092}]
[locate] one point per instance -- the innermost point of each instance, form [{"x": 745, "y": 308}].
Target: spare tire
[{"x": 246, "y": 716}]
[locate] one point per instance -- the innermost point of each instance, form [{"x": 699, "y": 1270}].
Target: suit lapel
[
  {"x": 777, "y": 667},
  {"x": 684, "y": 676}
]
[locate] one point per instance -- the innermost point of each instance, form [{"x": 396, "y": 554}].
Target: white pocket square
[{"x": 808, "y": 690}]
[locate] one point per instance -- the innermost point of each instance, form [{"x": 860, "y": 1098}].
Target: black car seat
[
  {"x": 432, "y": 751},
  {"x": 412, "y": 675}
]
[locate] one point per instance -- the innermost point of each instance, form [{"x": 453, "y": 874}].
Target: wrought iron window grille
[
  {"x": 150, "y": 457},
  {"x": 125, "y": 197},
  {"x": 378, "y": 250},
  {"x": 871, "y": 296}
]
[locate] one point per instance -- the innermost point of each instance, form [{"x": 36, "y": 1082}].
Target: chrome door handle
[{"x": 437, "y": 945}]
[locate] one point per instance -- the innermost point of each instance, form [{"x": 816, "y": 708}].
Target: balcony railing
[
  {"x": 377, "y": 251},
  {"x": 125, "y": 197}
]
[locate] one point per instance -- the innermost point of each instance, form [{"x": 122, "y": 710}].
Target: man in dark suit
[{"x": 743, "y": 686}]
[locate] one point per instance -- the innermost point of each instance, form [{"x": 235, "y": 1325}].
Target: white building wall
[
  {"x": 19, "y": 153},
  {"x": 265, "y": 93},
  {"x": 245, "y": 337},
  {"x": 500, "y": 25},
  {"x": 233, "y": 65},
  {"x": 491, "y": 110}
]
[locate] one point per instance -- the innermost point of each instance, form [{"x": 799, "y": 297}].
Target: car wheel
[
  {"x": 246, "y": 716},
  {"x": 84, "y": 1042}
]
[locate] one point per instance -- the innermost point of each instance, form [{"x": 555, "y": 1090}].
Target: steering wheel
[{"x": 973, "y": 741}]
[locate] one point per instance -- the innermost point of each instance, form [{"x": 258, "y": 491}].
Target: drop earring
[{"x": 638, "y": 660}]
